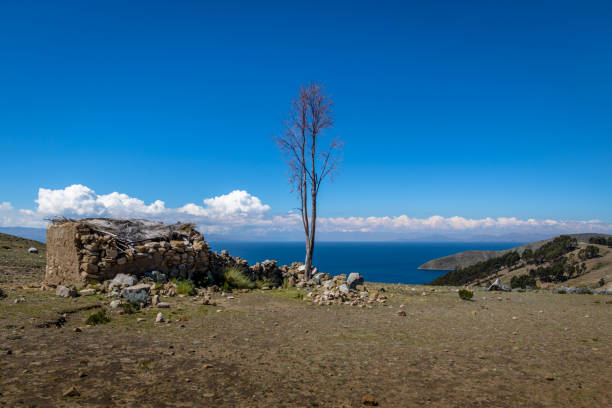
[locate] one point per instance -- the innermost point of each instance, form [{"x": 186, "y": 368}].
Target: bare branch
[{"x": 310, "y": 117}]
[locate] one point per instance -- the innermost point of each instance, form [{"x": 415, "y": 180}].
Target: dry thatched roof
[{"x": 133, "y": 230}]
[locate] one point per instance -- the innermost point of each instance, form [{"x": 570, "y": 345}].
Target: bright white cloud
[
  {"x": 240, "y": 211},
  {"x": 79, "y": 200},
  {"x": 73, "y": 200},
  {"x": 11, "y": 217},
  {"x": 236, "y": 203}
]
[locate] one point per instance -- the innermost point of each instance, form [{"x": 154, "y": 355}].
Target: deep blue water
[{"x": 390, "y": 262}]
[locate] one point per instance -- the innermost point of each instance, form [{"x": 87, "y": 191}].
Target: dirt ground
[{"x": 271, "y": 349}]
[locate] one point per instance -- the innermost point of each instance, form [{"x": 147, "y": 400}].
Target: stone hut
[{"x": 96, "y": 249}]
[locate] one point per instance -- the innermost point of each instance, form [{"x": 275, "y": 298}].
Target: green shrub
[
  {"x": 522, "y": 281},
  {"x": 99, "y": 317},
  {"x": 466, "y": 294},
  {"x": 589, "y": 252},
  {"x": 129, "y": 308},
  {"x": 601, "y": 282},
  {"x": 562, "y": 292},
  {"x": 235, "y": 278},
  {"x": 225, "y": 287},
  {"x": 185, "y": 287},
  {"x": 6, "y": 247}
]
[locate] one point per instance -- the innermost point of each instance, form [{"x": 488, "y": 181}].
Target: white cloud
[
  {"x": 241, "y": 212},
  {"x": 236, "y": 203},
  {"x": 79, "y": 200},
  {"x": 122, "y": 205},
  {"x": 72, "y": 200},
  {"x": 11, "y": 217},
  {"x": 438, "y": 223}
]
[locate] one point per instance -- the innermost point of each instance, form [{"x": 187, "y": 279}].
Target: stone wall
[{"x": 78, "y": 254}]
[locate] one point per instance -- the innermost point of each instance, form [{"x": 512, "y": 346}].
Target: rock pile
[
  {"x": 267, "y": 272},
  {"x": 338, "y": 291},
  {"x": 220, "y": 262},
  {"x": 323, "y": 289}
]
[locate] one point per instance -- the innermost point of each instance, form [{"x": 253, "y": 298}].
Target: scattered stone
[
  {"x": 136, "y": 294},
  {"x": 19, "y": 300},
  {"x": 369, "y": 400},
  {"x": 157, "y": 276},
  {"x": 550, "y": 378},
  {"x": 344, "y": 289},
  {"x": 140, "y": 319},
  {"x": 163, "y": 305},
  {"x": 82, "y": 374},
  {"x": 71, "y": 392},
  {"x": 401, "y": 313},
  {"x": 123, "y": 280},
  {"x": 499, "y": 286},
  {"x": 353, "y": 280},
  {"x": 87, "y": 292},
  {"x": 65, "y": 291},
  {"x": 115, "y": 304},
  {"x": 154, "y": 300},
  {"x": 77, "y": 330},
  {"x": 159, "y": 318},
  {"x": 32, "y": 251}
]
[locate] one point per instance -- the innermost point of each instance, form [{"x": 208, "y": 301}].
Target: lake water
[{"x": 390, "y": 262}]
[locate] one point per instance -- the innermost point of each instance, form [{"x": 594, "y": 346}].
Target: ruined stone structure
[{"x": 97, "y": 249}]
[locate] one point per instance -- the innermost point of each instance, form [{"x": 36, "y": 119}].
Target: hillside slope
[
  {"x": 16, "y": 264},
  {"x": 467, "y": 258},
  {"x": 596, "y": 269},
  {"x": 562, "y": 261}
]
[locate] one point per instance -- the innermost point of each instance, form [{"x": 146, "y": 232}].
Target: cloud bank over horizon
[{"x": 239, "y": 213}]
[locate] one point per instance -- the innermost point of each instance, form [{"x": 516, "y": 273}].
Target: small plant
[
  {"x": 129, "y": 308},
  {"x": 562, "y": 291},
  {"x": 235, "y": 278},
  {"x": 225, "y": 287},
  {"x": 602, "y": 282},
  {"x": 185, "y": 287},
  {"x": 299, "y": 296},
  {"x": 466, "y": 294},
  {"x": 99, "y": 317},
  {"x": 6, "y": 247}
]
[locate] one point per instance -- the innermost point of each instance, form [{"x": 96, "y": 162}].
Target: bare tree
[{"x": 309, "y": 164}]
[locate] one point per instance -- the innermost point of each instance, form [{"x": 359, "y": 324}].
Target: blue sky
[{"x": 468, "y": 109}]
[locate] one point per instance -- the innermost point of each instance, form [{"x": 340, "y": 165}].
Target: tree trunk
[
  {"x": 308, "y": 260},
  {"x": 310, "y": 243}
]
